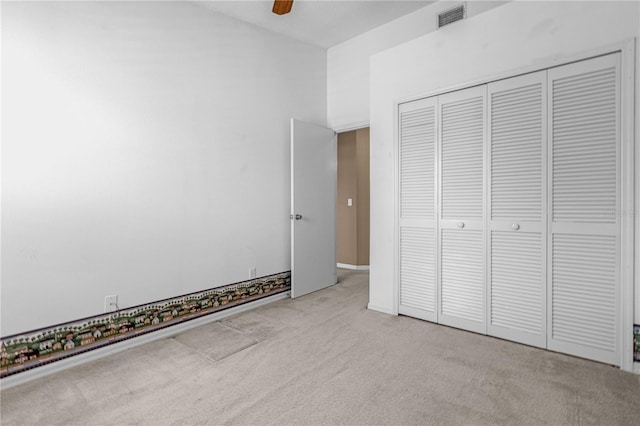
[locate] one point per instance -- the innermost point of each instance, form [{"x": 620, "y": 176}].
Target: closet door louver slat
[
  {"x": 462, "y": 275},
  {"x": 517, "y": 306},
  {"x": 584, "y": 278}
]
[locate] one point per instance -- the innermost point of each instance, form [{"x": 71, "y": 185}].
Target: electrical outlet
[
  {"x": 111, "y": 303},
  {"x": 252, "y": 272}
]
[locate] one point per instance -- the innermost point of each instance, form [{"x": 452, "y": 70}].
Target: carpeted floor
[{"x": 326, "y": 359}]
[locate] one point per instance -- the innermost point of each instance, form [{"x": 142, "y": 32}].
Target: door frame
[
  {"x": 352, "y": 126},
  {"x": 629, "y": 187},
  {"x": 338, "y": 131}
]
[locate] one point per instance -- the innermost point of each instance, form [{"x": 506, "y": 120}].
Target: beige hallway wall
[
  {"x": 352, "y": 224},
  {"x": 362, "y": 194}
]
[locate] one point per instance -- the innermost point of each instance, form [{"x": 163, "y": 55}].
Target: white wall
[
  {"x": 348, "y": 62},
  {"x": 145, "y": 153},
  {"x": 514, "y": 36}
]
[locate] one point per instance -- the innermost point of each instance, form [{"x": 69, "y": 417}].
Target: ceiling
[{"x": 323, "y": 23}]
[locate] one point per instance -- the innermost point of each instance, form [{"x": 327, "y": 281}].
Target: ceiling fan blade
[{"x": 281, "y": 7}]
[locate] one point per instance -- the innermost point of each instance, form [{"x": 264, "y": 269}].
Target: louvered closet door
[
  {"x": 417, "y": 258},
  {"x": 462, "y": 245},
  {"x": 517, "y": 209},
  {"x": 583, "y": 250}
]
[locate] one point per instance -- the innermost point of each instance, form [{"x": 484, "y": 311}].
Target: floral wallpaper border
[
  {"x": 636, "y": 342},
  {"x": 21, "y": 352}
]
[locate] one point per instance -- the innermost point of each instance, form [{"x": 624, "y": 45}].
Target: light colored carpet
[{"x": 326, "y": 359}]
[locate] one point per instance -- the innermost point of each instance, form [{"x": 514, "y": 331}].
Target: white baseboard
[
  {"x": 353, "y": 267},
  {"x": 380, "y": 309},
  {"x": 54, "y": 367}
]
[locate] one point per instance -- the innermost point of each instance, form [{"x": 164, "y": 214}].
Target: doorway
[{"x": 352, "y": 211}]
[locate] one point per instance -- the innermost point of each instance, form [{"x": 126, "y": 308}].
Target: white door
[
  {"x": 313, "y": 207},
  {"x": 417, "y": 213},
  {"x": 462, "y": 295},
  {"x": 517, "y": 209},
  {"x": 584, "y": 196}
]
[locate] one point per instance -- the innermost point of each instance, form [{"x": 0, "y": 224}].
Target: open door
[{"x": 313, "y": 207}]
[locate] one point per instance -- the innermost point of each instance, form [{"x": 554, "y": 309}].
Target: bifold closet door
[
  {"x": 461, "y": 240},
  {"x": 584, "y": 251},
  {"x": 517, "y": 209},
  {"x": 417, "y": 193}
]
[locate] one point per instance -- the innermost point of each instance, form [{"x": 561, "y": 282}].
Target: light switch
[{"x": 349, "y": 202}]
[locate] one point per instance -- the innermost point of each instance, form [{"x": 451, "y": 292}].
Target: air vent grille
[{"x": 450, "y": 16}]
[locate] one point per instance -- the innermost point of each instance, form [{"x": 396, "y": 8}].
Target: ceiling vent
[{"x": 452, "y": 15}]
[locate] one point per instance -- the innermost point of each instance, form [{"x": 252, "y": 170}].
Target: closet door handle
[
  {"x": 515, "y": 226},
  {"x": 460, "y": 225}
]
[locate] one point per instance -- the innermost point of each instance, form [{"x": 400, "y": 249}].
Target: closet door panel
[
  {"x": 517, "y": 308},
  {"x": 583, "y": 296},
  {"x": 417, "y": 215},
  {"x": 517, "y": 209},
  {"x": 462, "y": 255},
  {"x": 417, "y": 272},
  {"x": 462, "y": 278},
  {"x": 462, "y": 136}
]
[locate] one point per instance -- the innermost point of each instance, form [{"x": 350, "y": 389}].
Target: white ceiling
[{"x": 323, "y": 23}]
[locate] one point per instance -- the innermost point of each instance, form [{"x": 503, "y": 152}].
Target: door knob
[
  {"x": 296, "y": 217},
  {"x": 460, "y": 224},
  {"x": 515, "y": 226}
]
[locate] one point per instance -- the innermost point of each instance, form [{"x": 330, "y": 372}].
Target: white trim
[
  {"x": 353, "y": 267},
  {"x": 1, "y": 186},
  {"x": 350, "y": 127},
  {"x": 395, "y": 296},
  {"x": 636, "y": 368},
  {"x": 627, "y": 192},
  {"x": 384, "y": 310},
  {"x": 438, "y": 183},
  {"x": 55, "y": 367},
  {"x": 291, "y": 206}
]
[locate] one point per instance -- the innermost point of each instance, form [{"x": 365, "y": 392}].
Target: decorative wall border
[
  {"x": 636, "y": 342},
  {"x": 25, "y": 351}
]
